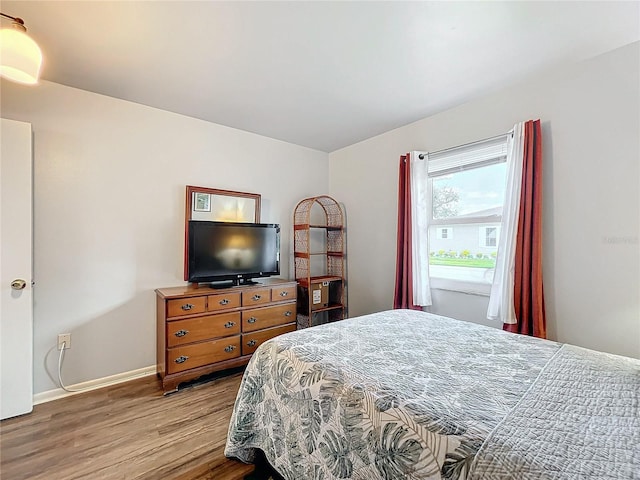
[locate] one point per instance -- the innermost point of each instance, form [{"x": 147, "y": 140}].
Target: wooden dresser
[{"x": 203, "y": 330}]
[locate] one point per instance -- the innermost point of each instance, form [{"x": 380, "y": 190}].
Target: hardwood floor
[{"x": 126, "y": 431}]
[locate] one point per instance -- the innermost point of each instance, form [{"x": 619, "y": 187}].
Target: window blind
[{"x": 465, "y": 157}]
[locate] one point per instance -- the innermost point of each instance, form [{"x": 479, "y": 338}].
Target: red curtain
[
  {"x": 403, "y": 296},
  {"x": 528, "y": 294}
]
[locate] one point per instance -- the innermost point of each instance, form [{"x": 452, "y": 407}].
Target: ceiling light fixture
[{"x": 20, "y": 56}]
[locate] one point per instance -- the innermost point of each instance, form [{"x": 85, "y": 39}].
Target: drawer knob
[
  {"x": 256, "y": 297},
  {"x": 252, "y": 320},
  {"x": 284, "y": 294},
  {"x": 224, "y": 301},
  {"x": 288, "y": 313},
  {"x": 229, "y": 348},
  {"x": 187, "y": 306},
  {"x": 229, "y": 324},
  {"x": 251, "y": 343},
  {"x": 181, "y": 359},
  {"x": 181, "y": 333}
]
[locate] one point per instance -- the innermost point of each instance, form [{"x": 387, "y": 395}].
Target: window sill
[{"x": 462, "y": 286}]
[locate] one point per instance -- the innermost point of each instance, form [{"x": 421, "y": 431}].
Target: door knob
[{"x": 18, "y": 284}]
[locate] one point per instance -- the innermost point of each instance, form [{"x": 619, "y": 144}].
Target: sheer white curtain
[
  {"x": 420, "y": 229},
  {"x": 502, "y": 290}
]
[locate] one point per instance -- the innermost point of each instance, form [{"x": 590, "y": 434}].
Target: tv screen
[{"x": 238, "y": 252}]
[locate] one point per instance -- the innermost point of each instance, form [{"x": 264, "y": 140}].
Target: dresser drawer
[
  {"x": 186, "y": 306},
  {"x": 279, "y": 294},
  {"x": 206, "y": 327},
  {"x": 199, "y": 354},
  {"x": 251, "y": 341},
  {"x": 223, "y": 301},
  {"x": 256, "y": 297},
  {"x": 266, "y": 317}
]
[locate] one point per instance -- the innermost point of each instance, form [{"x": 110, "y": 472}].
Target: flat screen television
[{"x": 232, "y": 252}]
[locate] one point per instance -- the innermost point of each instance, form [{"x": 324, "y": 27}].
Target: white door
[{"x": 16, "y": 304}]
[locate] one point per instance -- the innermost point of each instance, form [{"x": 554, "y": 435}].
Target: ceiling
[{"x": 319, "y": 74}]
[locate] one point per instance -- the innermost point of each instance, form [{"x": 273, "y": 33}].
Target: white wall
[
  {"x": 591, "y": 137},
  {"x": 109, "y": 188}
]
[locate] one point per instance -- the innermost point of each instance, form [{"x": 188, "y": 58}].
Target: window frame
[{"x": 442, "y": 283}]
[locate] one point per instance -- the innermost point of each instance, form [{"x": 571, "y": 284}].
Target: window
[
  {"x": 445, "y": 233},
  {"x": 489, "y": 236},
  {"x": 466, "y": 187}
]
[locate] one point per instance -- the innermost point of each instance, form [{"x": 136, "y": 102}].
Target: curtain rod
[
  {"x": 15, "y": 19},
  {"x": 422, "y": 156}
]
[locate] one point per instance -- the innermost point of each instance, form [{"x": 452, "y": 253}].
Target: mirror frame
[{"x": 190, "y": 190}]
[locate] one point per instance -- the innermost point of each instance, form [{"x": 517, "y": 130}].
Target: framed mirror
[{"x": 214, "y": 205}]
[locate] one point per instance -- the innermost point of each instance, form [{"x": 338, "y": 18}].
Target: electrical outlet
[{"x": 64, "y": 338}]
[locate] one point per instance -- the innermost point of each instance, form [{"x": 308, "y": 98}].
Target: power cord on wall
[{"x": 64, "y": 347}]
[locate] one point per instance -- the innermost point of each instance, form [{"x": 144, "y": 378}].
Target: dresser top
[{"x": 193, "y": 289}]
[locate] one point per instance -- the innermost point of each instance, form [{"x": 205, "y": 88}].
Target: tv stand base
[{"x": 231, "y": 283}]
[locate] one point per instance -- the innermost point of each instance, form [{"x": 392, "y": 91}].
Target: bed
[{"x": 410, "y": 395}]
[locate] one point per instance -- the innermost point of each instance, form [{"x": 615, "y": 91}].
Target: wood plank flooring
[{"x": 126, "y": 431}]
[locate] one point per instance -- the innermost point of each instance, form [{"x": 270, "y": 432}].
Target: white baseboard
[{"x": 57, "y": 393}]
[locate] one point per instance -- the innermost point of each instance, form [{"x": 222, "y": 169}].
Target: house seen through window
[{"x": 466, "y": 188}]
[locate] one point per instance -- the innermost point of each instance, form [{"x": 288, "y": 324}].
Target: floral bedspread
[{"x": 393, "y": 395}]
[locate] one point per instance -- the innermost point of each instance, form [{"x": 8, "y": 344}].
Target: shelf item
[
  {"x": 319, "y": 261},
  {"x": 201, "y": 330}
]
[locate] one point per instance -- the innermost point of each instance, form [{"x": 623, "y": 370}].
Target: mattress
[{"x": 410, "y": 395}]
